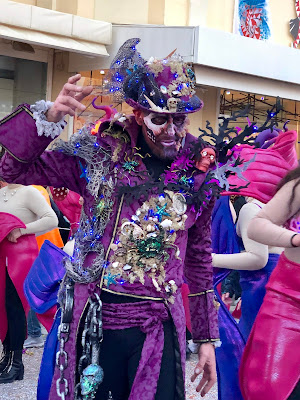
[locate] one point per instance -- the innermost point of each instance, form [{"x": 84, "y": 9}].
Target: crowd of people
[{"x": 156, "y": 220}]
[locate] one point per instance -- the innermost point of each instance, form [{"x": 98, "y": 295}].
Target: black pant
[
  {"x": 296, "y": 393},
  {"x": 16, "y": 319},
  {"x": 120, "y": 355}
]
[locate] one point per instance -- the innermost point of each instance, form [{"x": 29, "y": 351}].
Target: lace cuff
[{"x": 44, "y": 127}]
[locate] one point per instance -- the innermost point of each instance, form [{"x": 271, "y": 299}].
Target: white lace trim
[{"x": 44, "y": 127}]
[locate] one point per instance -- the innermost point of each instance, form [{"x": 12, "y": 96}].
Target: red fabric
[
  {"x": 270, "y": 367},
  {"x": 184, "y": 293},
  {"x": 70, "y": 207},
  {"x": 47, "y": 318},
  {"x": 17, "y": 258}
]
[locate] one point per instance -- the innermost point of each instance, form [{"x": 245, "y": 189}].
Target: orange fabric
[{"x": 54, "y": 235}]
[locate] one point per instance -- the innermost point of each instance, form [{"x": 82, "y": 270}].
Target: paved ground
[{"x": 26, "y": 389}]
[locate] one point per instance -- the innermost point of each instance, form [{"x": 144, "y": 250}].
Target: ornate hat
[{"x": 166, "y": 85}]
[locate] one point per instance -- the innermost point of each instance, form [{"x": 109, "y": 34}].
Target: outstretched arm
[{"x": 266, "y": 228}]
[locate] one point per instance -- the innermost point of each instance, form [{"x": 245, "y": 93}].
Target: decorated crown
[{"x": 166, "y": 85}]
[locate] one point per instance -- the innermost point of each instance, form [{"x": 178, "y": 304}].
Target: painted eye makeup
[
  {"x": 178, "y": 121},
  {"x": 159, "y": 120}
]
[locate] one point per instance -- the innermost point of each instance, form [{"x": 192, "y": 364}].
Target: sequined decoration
[
  {"x": 143, "y": 243},
  {"x": 101, "y": 185}
]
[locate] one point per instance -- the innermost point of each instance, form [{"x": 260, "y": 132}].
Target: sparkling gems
[{"x": 163, "y": 89}]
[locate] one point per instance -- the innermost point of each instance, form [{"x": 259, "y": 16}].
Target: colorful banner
[{"x": 252, "y": 19}]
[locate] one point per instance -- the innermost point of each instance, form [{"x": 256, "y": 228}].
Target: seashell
[
  {"x": 115, "y": 264},
  {"x": 179, "y": 203},
  {"x": 127, "y": 267},
  {"x": 150, "y": 228},
  {"x": 127, "y": 228},
  {"x": 114, "y": 247},
  {"x": 172, "y": 282},
  {"x": 175, "y": 92},
  {"x": 138, "y": 212},
  {"x": 167, "y": 223},
  {"x": 156, "y": 285},
  {"x": 163, "y": 89},
  {"x": 152, "y": 234},
  {"x": 138, "y": 232},
  {"x": 145, "y": 207}
]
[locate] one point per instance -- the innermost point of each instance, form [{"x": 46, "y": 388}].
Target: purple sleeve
[
  {"x": 51, "y": 168},
  {"x": 25, "y": 161},
  {"x": 199, "y": 276}
]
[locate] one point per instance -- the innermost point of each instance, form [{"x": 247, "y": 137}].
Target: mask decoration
[
  {"x": 208, "y": 157},
  {"x": 165, "y": 131}
]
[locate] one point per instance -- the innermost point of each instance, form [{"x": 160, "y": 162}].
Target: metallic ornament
[
  {"x": 91, "y": 378},
  {"x": 179, "y": 203}
]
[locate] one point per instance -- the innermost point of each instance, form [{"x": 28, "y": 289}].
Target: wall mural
[
  {"x": 252, "y": 19},
  {"x": 295, "y": 26}
]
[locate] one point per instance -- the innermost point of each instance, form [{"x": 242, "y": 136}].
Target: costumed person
[
  {"x": 270, "y": 367},
  {"x": 145, "y": 223},
  {"x": 24, "y": 214},
  {"x": 255, "y": 261}
]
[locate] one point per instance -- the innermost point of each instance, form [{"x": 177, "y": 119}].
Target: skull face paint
[
  {"x": 164, "y": 133},
  {"x": 208, "y": 157}
]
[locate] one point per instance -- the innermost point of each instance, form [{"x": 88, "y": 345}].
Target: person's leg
[
  {"x": 296, "y": 393},
  {"x": 35, "y": 338},
  {"x": 16, "y": 318},
  {"x": 166, "y": 385},
  {"x": 15, "y": 334},
  {"x": 33, "y": 325},
  {"x": 113, "y": 360}
]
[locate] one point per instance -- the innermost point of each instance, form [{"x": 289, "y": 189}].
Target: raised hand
[{"x": 69, "y": 99}]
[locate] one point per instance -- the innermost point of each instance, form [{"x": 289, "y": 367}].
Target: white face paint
[{"x": 165, "y": 131}]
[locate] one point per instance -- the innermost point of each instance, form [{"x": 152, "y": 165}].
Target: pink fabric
[
  {"x": 17, "y": 258},
  {"x": 270, "y": 367},
  {"x": 269, "y": 167},
  {"x": 184, "y": 293}
]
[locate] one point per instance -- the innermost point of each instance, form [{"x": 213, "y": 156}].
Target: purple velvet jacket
[{"x": 25, "y": 161}]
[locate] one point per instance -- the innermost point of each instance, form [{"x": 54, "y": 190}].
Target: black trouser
[
  {"x": 16, "y": 319},
  {"x": 296, "y": 393},
  {"x": 120, "y": 355}
]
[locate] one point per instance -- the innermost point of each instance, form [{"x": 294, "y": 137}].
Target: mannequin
[
  {"x": 270, "y": 364},
  {"x": 256, "y": 261},
  {"x": 24, "y": 213}
]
